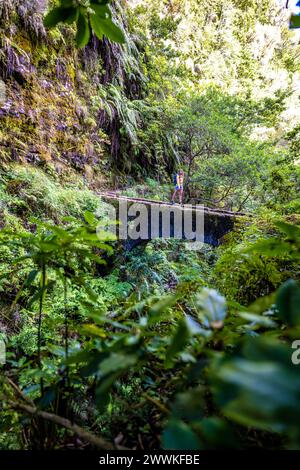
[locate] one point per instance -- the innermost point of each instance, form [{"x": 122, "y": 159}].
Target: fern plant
[{"x": 55, "y": 249}]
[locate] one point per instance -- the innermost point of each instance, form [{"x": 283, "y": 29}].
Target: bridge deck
[{"x": 208, "y": 210}]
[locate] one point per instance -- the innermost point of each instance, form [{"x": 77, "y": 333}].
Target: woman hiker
[{"x": 178, "y": 181}]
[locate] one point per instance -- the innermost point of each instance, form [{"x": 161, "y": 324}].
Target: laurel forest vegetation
[{"x": 162, "y": 347}]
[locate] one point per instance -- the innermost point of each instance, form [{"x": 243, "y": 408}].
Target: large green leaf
[
  {"x": 57, "y": 15},
  {"x": 212, "y": 308},
  {"x": 83, "y": 31},
  {"x": 31, "y": 277},
  {"x": 117, "y": 361},
  {"x": 295, "y": 21},
  {"x": 103, "y": 389},
  {"x": 258, "y": 320},
  {"x": 67, "y": 3},
  {"x": 156, "y": 310},
  {"x": 179, "y": 436},
  {"x": 178, "y": 342},
  {"x": 90, "y": 218},
  {"x": 108, "y": 28},
  {"x": 73, "y": 16},
  {"x": 273, "y": 247},
  {"x": 102, "y": 11},
  {"x": 288, "y": 303},
  {"x": 189, "y": 405},
  {"x": 96, "y": 26},
  {"x": 291, "y": 230},
  {"x": 260, "y": 387},
  {"x": 217, "y": 434}
]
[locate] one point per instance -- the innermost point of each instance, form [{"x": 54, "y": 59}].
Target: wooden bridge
[{"x": 164, "y": 220}]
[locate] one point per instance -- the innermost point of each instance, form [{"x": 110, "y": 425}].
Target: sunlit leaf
[
  {"x": 258, "y": 320},
  {"x": 93, "y": 330},
  {"x": 90, "y": 218},
  {"x": 211, "y": 307},
  {"x": 101, "y": 11}
]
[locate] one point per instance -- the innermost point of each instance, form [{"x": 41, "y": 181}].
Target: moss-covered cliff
[{"x": 58, "y": 110}]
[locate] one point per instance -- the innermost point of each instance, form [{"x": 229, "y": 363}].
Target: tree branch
[
  {"x": 96, "y": 441},
  {"x": 19, "y": 392}
]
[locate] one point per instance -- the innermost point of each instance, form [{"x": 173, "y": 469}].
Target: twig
[{"x": 155, "y": 402}]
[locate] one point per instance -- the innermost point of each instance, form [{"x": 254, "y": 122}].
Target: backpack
[{"x": 175, "y": 179}]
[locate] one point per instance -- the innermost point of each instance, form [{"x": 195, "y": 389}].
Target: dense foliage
[{"x": 164, "y": 346}]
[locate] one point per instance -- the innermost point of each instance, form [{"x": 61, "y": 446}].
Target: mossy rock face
[
  {"x": 46, "y": 118},
  {"x": 57, "y": 109}
]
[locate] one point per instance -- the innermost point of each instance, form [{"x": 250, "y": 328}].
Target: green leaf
[
  {"x": 67, "y": 3},
  {"x": 259, "y": 388},
  {"x": 179, "y": 436},
  {"x": 216, "y": 433},
  {"x": 262, "y": 304},
  {"x": 295, "y": 21},
  {"x": 79, "y": 357},
  {"x": 105, "y": 247},
  {"x": 291, "y": 230},
  {"x": 93, "y": 330},
  {"x": 48, "y": 397},
  {"x": 83, "y": 31},
  {"x": 90, "y": 218},
  {"x": 258, "y": 320},
  {"x": 102, "y": 11},
  {"x": 106, "y": 26},
  {"x": 92, "y": 364},
  {"x": 96, "y": 26},
  {"x": 97, "y": 259},
  {"x": 272, "y": 247},
  {"x": 179, "y": 341},
  {"x": 212, "y": 308},
  {"x": 102, "y": 390},
  {"x": 117, "y": 361},
  {"x": 20, "y": 259},
  {"x": 288, "y": 303},
  {"x": 189, "y": 406},
  {"x": 57, "y": 15},
  {"x": 40, "y": 293},
  {"x": 159, "y": 307},
  {"x": 31, "y": 277},
  {"x": 73, "y": 16}
]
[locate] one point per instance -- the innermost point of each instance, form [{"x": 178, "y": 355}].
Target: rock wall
[{"x": 54, "y": 110}]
